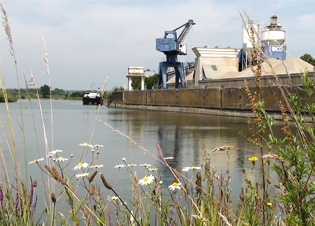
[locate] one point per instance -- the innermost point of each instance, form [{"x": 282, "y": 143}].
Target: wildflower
[
  {"x": 82, "y": 175},
  {"x": 52, "y": 153},
  {"x": 80, "y": 165},
  {"x": 85, "y": 144},
  {"x": 131, "y": 165},
  {"x": 195, "y": 167},
  {"x": 36, "y": 160},
  {"x": 96, "y": 166},
  {"x": 16, "y": 203},
  {"x": 95, "y": 146},
  {"x": 60, "y": 159},
  {"x": 120, "y": 166},
  {"x": 33, "y": 186},
  {"x": 174, "y": 186},
  {"x": 1, "y": 196},
  {"x": 153, "y": 169},
  {"x": 269, "y": 203},
  {"x": 253, "y": 159},
  {"x": 71, "y": 155},
  {"x": 166, "y": 158},
  {"x": 186, "y": 169},
  {"x": 145, "y": 165},
  {"x": 112, "y": 198},
  {"x": 124, "y": 159},
  {"x": 146, "y": 180}
]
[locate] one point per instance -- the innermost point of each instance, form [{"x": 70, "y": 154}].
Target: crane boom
[{"x": 186, "y": 30}]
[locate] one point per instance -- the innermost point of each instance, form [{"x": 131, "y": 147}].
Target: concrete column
[
  {"x": 198, "y": 71},
  {"x": 142, "y": 83},
  {"x": 129, "y": 83}
]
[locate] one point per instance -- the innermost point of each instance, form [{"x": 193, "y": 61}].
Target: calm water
[{"x": 180, "y": 135}]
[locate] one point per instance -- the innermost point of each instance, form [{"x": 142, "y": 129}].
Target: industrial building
[{"x": 216, "y": 67}]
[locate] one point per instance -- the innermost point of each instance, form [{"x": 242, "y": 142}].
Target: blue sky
[{"x": 89, "y": 41}]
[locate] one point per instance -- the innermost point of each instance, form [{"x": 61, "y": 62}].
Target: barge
[{"x": 92, "y": 97}]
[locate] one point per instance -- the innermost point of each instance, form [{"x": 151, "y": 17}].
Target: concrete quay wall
[{"x": 206, "y": 101}]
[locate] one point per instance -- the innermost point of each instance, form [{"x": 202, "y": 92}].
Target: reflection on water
[{"x": 180, "y": 135}]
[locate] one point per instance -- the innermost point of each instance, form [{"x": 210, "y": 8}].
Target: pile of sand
[{"x": 274, "y": 66}]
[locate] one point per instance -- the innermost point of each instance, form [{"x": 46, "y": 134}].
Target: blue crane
[{"x": 172, "y": 47}]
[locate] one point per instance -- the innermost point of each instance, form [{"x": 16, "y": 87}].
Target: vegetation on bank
[
  {"x": 278, "y": 186},
  {"x": 10, "y": 97}
]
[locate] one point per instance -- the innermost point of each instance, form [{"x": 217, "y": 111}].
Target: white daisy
[
  {"x": 145, "y": 165},
  {"x": 85, "y": 144},
  {"x": 120, "y": 166},
  {"x": 186, "y": 169},
  {"x": 153, "y": 169},
  {"x": 131, "y": 165},
  {"x": 60, "y": 159},
  {"x": 146, "y": 180},
  {"x": 96, "y": 166},
  {"x": 82, "y": 175},
  {"x": 112, "y": 198},
  {"x": 54, "y": 152},
  {"x": 80, "y": 165},
  {"x": 195, "y": 167},
  {"x": 36, "y": 160},
  {"x": 166, "y": 158},
  {"x": 174, "y": 186},
  {"x": 124, "y": 159}
]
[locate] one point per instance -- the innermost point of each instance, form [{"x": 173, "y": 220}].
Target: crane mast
[{"x": 172, "y": 47}]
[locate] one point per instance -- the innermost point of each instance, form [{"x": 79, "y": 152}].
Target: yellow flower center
[
  {"x": 85, "y": 143},
  {"x": 60, "y": 157},
  {"x": 175, "y": 184},
  {"x": 145, "y": 179},
  {"x": 36, "y": 160},
  {"x": 80, "y": 164}
]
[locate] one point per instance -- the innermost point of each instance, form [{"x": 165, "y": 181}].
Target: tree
[
  {"x": 308, "y": 58},
  {"x": 57, "y": 91},
  {"x": 152, "y": 81},
  {"x": 44, "y": 91},
  {"x": 136, "y": 83}
]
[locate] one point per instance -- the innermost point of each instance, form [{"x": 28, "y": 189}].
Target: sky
[{"x": 92, "y": 43}]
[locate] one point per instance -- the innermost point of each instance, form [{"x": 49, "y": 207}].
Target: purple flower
[
  {"x": 1, "y": 196},
  {"x": 32, "y": 194},
  {"x": 16, "y": 203}
]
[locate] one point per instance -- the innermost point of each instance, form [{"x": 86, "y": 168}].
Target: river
[{"x": 130, "y": 134}]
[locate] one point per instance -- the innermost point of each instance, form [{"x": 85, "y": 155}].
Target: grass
[{"x": 198, "y": 195}]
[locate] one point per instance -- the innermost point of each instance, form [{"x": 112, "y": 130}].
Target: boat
[{"x": 92, "y": 97}]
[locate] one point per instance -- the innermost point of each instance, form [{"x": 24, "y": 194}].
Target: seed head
[
  {"x": 91, "y": 178},
  {"x": 105, "y": 182}
]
